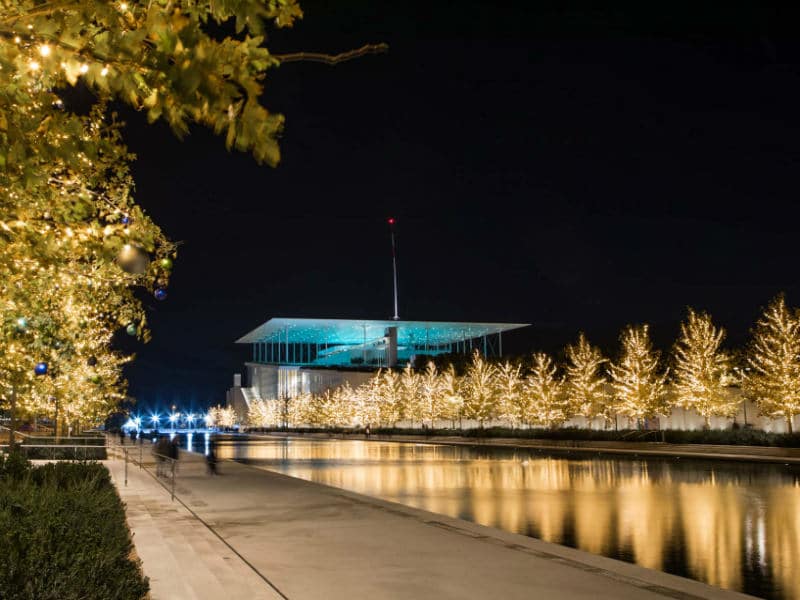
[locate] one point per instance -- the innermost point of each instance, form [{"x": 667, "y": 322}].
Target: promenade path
[{"x": 311, "y": 541}]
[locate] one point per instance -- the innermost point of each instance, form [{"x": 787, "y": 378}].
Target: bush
[
  {"x": 63, "y": 534},
  {"x": 736, "y": 437}
]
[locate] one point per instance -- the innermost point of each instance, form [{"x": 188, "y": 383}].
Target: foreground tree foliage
[{"x": 76, "y": 251}]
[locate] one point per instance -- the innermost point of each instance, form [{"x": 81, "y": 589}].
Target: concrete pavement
[{"x": 312, "y": 541}]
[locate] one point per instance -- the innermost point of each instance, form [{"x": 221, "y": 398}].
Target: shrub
[
  {"x": 737, "y": 437},
  {"x": 63, "y": 534}
]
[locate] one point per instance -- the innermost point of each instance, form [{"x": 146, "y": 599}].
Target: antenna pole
[{"x": 394, "y": 266}]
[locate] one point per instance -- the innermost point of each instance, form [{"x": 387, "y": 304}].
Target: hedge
[
  {"x": 63, "y": 534},
  {"x": 736, "y": 437}
]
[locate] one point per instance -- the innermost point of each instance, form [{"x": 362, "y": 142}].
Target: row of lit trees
[
  {"x": 77, "y": 253},
  {"x": 637, "y": 386}
]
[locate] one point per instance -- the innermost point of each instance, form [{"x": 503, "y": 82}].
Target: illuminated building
[{"x": 298, "y": 356}]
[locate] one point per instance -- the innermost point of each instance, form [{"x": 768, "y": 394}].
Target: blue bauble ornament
[
  {"x": 22, "y": 324},
  {"x": 160, "y": 294},
  {"x": 131, "y": 329},
  {"x": 126, "y": 219},
  {"x": 40, "y": 368}
]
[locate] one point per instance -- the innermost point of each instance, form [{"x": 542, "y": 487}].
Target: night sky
[{"x": 567, "y": 165}]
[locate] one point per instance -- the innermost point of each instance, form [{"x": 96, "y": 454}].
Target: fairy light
[
  {"x": 34, "y": 65},
  {"x": 45, "y": 50},
  {"x": 84, "y": 68},
  {"x": 104, "y": 71}
]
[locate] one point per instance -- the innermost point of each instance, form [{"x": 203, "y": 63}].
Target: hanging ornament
[
  {"x": 160, "y": 294},
  {"x": 95, "y": 379},
  {"x": 166, "y": 263},
  {"x": 92, "y": 361},
  {"x": 126, "y": 220},
  {"x": 40, "y": 368},
  {"x": 131, "y": 329},
  {"x": 22, "y": 324},
  {"x": 133, "y": 260}
]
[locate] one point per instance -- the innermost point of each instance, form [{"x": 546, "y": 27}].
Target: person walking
[
  {"x": 174, "y": 451},
  {"x": 121, "y": 434},
  {"x": 161, "y": 451},
  {"x": 211, "y": 457}
]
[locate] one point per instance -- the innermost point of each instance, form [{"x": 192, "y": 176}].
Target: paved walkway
[
  {"x": 183, "y": 559},
  {"x": 317, "y": 542}
]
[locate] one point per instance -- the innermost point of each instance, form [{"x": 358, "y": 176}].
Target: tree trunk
[
  {"x": 13, "y": 417},
  {"x": 789, "y": 420},
  {"x": 55, "y": 420}
]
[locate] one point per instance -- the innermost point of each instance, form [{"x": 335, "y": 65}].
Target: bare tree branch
[{"x": 332, "y": 59}]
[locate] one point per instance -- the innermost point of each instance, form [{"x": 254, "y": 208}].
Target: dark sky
[{"x": 563, "y": 164}]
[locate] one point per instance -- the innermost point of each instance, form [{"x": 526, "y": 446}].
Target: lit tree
[
  {"x": 367, "y": 401},
  {"x": 67, "y": 204},
  {"x": 390, "y": 398},
  {"x": 637, "y": 382},
  {"x": 411, "y": 388},
  {"x": 774, "y": 358},
  {"x": 480, "y": 393},
  {"x": 453, "y": 394},
  {"x": 702, "y": 372},
  {"x": 265, "y": 413},
  {"x": 514, "y": 402},
  {"x": 224, "y": 416},
  {"x": 585, "y": 382},
  {"x": 298, "y": 409},
  {"x": 545, "y": 389},
  {"x": 432, "y": 394}
]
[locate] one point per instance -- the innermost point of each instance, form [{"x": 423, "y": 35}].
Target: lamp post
[
  {"x": 172, "y": 418},
  {"x": 190, "y": 420}
]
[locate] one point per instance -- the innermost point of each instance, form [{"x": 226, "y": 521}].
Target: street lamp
[
  {"x": 155, "y": 420},
  {"x": 208, "y": 419},
  {"x": 190, "y": 419},
  {"x": 172, "y": 418}
]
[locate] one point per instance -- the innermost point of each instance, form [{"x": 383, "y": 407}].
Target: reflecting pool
[{"x": 734, "y": 525}]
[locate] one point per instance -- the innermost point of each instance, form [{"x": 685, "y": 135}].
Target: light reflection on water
[{"x": 734, "y": 525}]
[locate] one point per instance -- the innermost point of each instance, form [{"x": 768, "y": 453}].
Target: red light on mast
[{"x": 391, "y": 220}]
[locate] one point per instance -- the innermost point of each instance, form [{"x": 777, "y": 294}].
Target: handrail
[
  {"x": 16, "y": 432},
  {"x": 127, "y": 451}
]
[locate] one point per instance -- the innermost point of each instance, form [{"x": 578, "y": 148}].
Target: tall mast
[{"x": 394, "y": 266}]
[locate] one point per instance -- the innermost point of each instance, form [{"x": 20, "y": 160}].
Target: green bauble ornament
[
  {"x": 21, "y": 324},
  {"x": 131, "y": 329},
  {"x": 166, "y": 263},
  {"x": 95, "y": 379}
]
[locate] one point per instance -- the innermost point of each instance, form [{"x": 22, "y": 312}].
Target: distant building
[{"x": 298, "y": 356}]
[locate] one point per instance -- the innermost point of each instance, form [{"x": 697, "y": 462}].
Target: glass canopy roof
[{"x": 349, "y": 332}]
